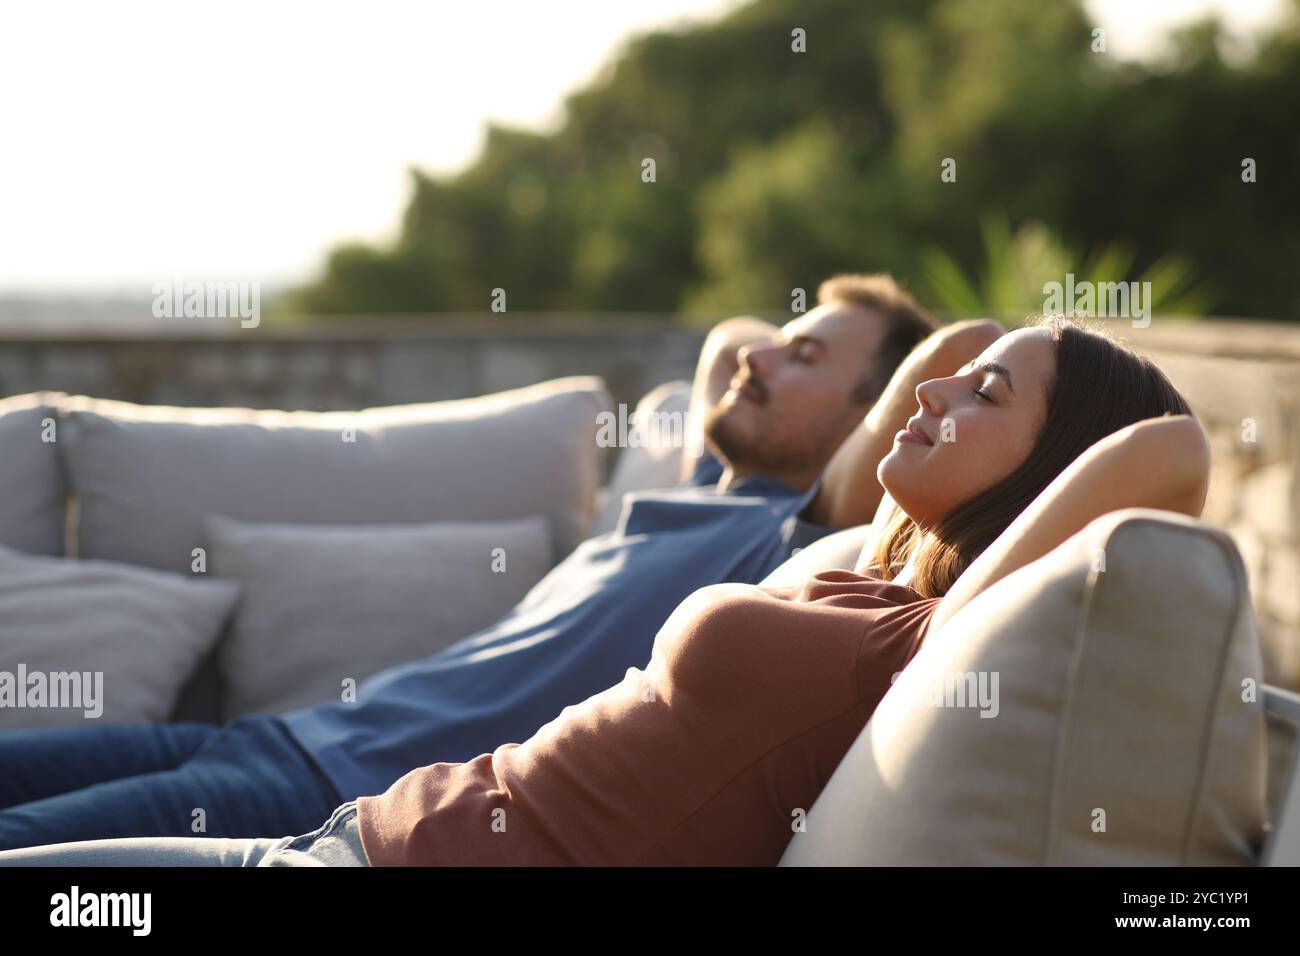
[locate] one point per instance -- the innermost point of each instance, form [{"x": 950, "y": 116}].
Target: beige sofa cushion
[
  {"x": 835, "y": 552},
  {"x": 323, "y": 603},
  {"x": 31, "y": 480},
  {"x": 148, "y": 476},
  {"x": 1118, "y": 733}
]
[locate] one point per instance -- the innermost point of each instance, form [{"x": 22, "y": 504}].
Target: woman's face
[{"x": 972, "y": 429}]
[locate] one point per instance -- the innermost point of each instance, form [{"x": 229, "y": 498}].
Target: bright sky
[{"x": 145, "y": 139}]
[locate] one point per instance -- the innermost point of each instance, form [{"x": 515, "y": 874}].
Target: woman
[{"x": 752, "y": 696}]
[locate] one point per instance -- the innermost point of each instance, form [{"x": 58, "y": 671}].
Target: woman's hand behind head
[{"x": 1174, "y": 454}]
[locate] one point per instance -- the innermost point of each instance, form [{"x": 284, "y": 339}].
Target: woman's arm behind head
[{"x": 1161, "y": 463}]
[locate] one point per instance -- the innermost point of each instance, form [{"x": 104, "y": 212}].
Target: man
[{"x": 779, "y": 404}]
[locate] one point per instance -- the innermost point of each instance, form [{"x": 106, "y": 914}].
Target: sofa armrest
[
  {"x": 1282, "y": 846},
  {"x": 1088, "y": 709}
]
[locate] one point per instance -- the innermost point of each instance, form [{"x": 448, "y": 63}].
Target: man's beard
[
  {"x": 725, "y": 440},
  {"x": 755, "y": 451}
]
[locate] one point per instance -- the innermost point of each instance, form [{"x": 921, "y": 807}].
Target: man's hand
[
  {"x": 719, "y": 362},
  {"x": 850, "y": 493}
]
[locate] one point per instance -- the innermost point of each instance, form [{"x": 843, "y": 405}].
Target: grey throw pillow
[
  {"x": 100, "y": 642},
  {"x": 323, "y": 604},
  {"x": 31, "y": 479},
  {"x": 147, "y": 476}
]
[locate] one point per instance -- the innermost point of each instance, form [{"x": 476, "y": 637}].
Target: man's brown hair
[{"x": 906, "y": 323}]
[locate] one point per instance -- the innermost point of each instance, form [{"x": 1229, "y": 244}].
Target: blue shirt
[{"x": 579, "y": 629}]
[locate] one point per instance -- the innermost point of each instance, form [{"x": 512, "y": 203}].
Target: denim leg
[
  {"x": 35, "y": 764},
  {"x": 336, "y": 843},
  {"x": 249, "y": 779},
  {"x": 145, "y": 851}
]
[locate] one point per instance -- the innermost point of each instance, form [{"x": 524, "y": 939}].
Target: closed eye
[
  {"x": 805, "y": 350},
  {"x": 982, "y": 394}
]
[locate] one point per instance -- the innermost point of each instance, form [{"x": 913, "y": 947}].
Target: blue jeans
[
  {"x": 337, "y": 843},
  {"x": 247, "y": 779}
]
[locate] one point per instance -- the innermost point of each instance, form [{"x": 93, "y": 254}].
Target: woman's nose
[{"x": 930, "y": 396}]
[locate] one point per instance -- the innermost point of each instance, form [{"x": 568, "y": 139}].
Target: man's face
[{"x": 791, "y": 403}]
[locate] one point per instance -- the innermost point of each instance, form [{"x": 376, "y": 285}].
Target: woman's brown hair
[{"x": 1099, "y": 387}]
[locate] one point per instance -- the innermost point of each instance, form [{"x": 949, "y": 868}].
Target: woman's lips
[{"x": 910, "y": 435}]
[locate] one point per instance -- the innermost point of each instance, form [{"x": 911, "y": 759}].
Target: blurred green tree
[{"x": 776, "y": 168}]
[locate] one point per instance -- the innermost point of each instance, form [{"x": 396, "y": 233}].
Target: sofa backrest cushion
[
  {"x": 32, "y": 495},
  {"x": 1111, "y": 718},
  {"x": 146, "y": 477}
]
